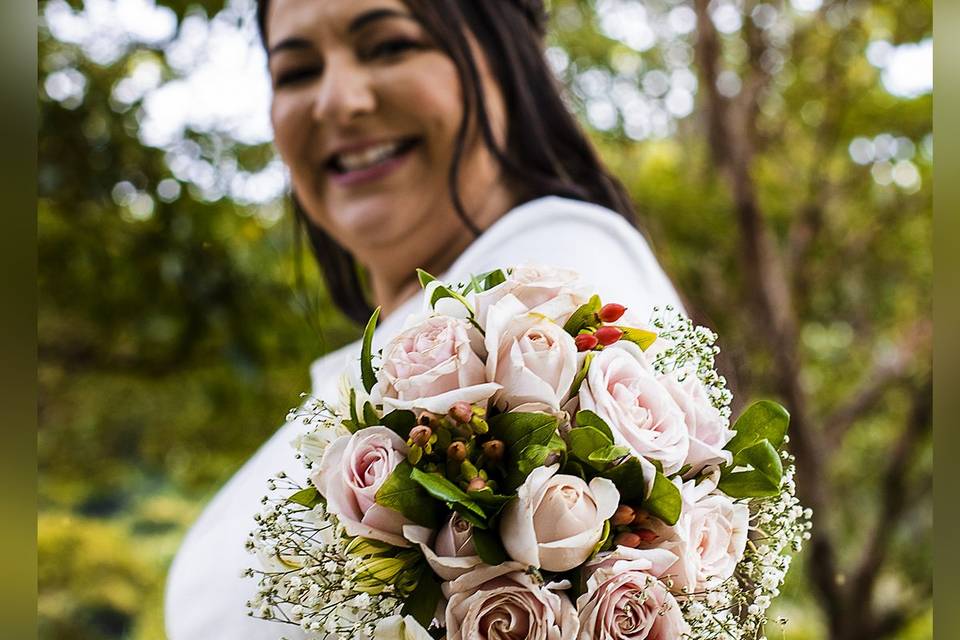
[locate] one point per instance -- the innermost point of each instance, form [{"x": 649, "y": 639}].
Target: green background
[{"x": 171, "y": 345}]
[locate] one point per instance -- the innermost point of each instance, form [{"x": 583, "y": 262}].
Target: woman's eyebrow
[
  {"x": 356, "y": 24},
  {"x": 373, "y": 15}
]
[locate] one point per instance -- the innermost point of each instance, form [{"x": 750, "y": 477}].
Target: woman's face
[{"x": 365, "y": 113}]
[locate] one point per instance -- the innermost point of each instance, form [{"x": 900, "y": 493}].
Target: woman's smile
[{"x": 364, "y": 163}]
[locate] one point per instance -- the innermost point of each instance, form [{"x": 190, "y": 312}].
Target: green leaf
[
  {"x": 470, "y": 516},
  {"x": 489, "y": 547},
  {"x": 664, "y": 500},
  {"x": 763, "y": 458},
  {"x": 370, "y": 417},
  {"x": 585, "y": 316},
  {"x": 640, "y": 337},
  {"x": 353, "y": 424},
  {"x": 367, "y": 374},
  {"x": 422, "y": 602},
  {"x": 763, "y": 420},
  {"x": 628, "y": 476},
  {"x": 581, "y": 375},
  {"x": 400, "y": 421},
  {"x": 442, "y": 489},
  {"x": 488, "y": 498},
  {"x": 608, "y": 454},
  {"x": 424, "y": 277},
  {"x": 494, "y": 278},
  {"x": 403, "y": 494},
  {"x": 604, "y": 538},
  {"x": 764, "y": 480},
  {"x": 443, "y": 291},
  {"x": 748, "y": 484},
  {"x": 585, "y": 440},
  {"x": 587, "y": 418},
  {"x": 308, "y": 497},
  {"x": 520, "y": 430}
]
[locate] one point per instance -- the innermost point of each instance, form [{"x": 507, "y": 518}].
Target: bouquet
[{"x": 525, "y": 461}]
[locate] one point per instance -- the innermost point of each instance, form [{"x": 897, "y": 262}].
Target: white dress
[{"x": 205, "y": 594}]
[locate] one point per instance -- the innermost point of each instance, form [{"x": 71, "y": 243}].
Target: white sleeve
[{"x": 610, "y": 254}]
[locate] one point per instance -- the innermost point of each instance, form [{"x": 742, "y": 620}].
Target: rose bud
[
  {"x": 623, "y": 515},
  {"x": 462, "y": 412},
  {"x": 420, "y": 435},
  {"x": 611, "y": 312},
  {"x": 608, "y": 335},
  {"x": 646, "y": 536},
  {"x": 493, "y": 449},
  {"x": 585, "y": 341},
  {"x": 457, "y": 451},
  {"x": 627, "y": 539},
  {"x": 477, "y": 484}
]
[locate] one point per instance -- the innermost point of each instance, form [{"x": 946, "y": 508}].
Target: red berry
[
  {"x": 627, "y": 539},
  {"x": 585, "y": 341},
  {"x": 611, "y": 312},
  {"x": 608, "y": 335},
  {"x": 646, "y": 535}
]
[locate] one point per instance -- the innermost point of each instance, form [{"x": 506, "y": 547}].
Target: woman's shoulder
[{"x": 600, "y": 244}]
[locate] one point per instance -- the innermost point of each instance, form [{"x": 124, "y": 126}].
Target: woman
[{"x": 418, "y": 133}]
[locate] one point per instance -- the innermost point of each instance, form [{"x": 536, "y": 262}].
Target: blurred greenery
[{"x": 176, "y": 327}]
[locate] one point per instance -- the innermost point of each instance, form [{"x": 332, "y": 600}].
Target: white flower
[
  {"x": 556, "y": 520},
  {"x": 352, "y": 470},
  {"x": 625, "y": 599},
  {"x": 451, "y": 553},
  {"x": 432, "y": 366},
  {"x": 400, "y": 628},
  {"x": 707, "y": 428},
  {"x": 504, "y": 602},
  {"x": 548, "y": 291},
  {"x": 622, "y": 388},
  {"x": 529, "y": 356}
]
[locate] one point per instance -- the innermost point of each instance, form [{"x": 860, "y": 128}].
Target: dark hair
[{"x": 546, "y": 151}]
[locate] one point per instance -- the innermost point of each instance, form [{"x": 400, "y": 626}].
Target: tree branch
[{"x": 893, "y": 493}]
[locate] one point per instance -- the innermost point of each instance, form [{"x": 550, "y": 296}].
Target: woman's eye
[
  {"x": 393, "y": 47},
  {"x": 296, "y": 75}
]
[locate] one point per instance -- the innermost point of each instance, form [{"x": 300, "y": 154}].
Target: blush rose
[
  {"x": 351, "y": 471},
  {"x": 556, "y": 520}
]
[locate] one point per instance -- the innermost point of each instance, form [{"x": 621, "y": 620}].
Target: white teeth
[{"x": 355, "y": 160}]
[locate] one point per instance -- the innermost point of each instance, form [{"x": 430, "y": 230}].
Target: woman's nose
[{"x": 345, "y": 92}]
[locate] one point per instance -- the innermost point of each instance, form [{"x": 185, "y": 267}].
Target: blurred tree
[
  {"x": 793, "y": 211},
  {"x": 782, "y": 177}
]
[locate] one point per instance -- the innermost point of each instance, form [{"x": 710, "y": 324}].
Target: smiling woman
[{"x": 418, "y": 134}]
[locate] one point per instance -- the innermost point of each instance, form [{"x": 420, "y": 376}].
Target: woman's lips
[{"x": 373, "y": 172}]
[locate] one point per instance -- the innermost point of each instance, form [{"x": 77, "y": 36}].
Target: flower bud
[
  {"x": 611, "y": 312},
  {"x": 420, "y": 435},
  {"x": 608, "y": 335},
  {"x": 585, "y": 341},
  {"x": 462, "y": 412},
  {"x": 645, "y": 536},
  {"x": 493, "y": 449},
  {"x": 623, "y": 515},
  {"x": 627, "y": 539},
  {"x": 477, "y": 484},
  {"x": 457, "y": 451}
]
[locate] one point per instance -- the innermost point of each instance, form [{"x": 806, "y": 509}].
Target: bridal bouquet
[{"x": 525, "y": 461}]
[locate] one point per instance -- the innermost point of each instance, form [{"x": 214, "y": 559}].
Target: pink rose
[
  {"x": 556, "y": 520},
  {"x": 432, "y": 366},
  {"x": 548, "y": 291},
  {"x": 709, "y": 538},
  {"x": 625, "y": 600},
  {"x": 451, "y": 553},
  {"x": 504, "y": 602},
  {"x": 708, "y": 430},
  {"x": 529, "y": 356},
  {"x": 353, "y": 468},
  {"x": 622, "y": 388}
]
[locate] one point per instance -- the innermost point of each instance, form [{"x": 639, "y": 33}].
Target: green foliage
[{"x": 403, "y": 493}]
